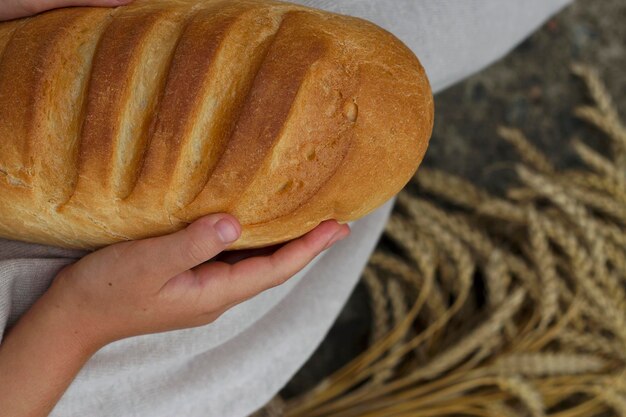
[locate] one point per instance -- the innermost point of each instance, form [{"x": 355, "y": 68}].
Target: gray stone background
[{"x": 531, "y": 89}]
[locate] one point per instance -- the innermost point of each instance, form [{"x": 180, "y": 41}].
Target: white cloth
[{"x": 235, "y": 365}]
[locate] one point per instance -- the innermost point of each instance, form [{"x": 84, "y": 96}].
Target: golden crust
[{"x": 126, "y": 123}]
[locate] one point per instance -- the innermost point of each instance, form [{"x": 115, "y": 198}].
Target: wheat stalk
[{"x": 549, "y": 263}]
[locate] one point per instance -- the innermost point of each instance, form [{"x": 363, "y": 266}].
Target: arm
[
  {"x": 13, "y": 9},
  {"x": 39, "y": 358},
  {"x": 134, "y": 288}
]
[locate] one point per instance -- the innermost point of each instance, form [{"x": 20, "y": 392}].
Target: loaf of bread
[{"x": 126, "y": 123}]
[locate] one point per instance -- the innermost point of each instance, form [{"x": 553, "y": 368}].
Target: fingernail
[
  {"x": 336, "y": 237},
  {"x": 226, "y": 230}
]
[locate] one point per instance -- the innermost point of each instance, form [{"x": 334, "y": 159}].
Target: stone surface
[{"x": 531, "y": 89}]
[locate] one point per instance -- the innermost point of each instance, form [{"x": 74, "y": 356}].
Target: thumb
[{"x": 166, "y": 256}]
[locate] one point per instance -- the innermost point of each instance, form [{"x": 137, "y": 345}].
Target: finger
[
  {"x": 30, "y": 7},
  {"x": 232, "y": 257},
  {"x": 223, "y": 283},
  {"x": 166, "y": 256}
]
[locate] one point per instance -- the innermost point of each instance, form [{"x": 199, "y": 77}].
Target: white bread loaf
[{"x": 125, "y": 123}]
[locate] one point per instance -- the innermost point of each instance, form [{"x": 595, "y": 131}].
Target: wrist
[{"x": 58, "y": 319}]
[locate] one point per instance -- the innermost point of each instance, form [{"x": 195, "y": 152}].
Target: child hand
[{"x": 165, "y": 283}]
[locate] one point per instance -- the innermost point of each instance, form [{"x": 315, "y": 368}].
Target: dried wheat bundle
[{"x": 509, "y": 306}]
